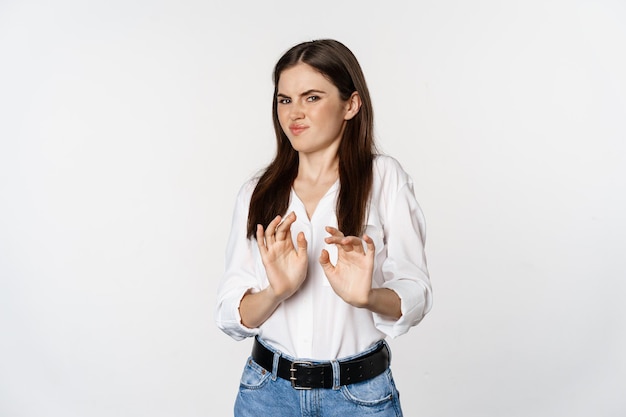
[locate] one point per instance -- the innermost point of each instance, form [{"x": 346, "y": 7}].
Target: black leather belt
[{"x": 307, "y": 375}]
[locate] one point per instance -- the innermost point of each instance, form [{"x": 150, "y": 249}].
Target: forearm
[
  {"x": 255, "y": 308},
  {"x": 385, "y": 302}
]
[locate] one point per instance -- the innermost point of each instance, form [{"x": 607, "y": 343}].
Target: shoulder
[
  {"x": 388, "y": 172},
  {"x": 247, "y": 188}
]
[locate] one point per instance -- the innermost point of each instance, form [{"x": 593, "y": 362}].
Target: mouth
[{"x": 297, "y": 129}]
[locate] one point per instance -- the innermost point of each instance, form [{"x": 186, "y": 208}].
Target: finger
[
  {"x": 342, "y": 243},
  {"x": 271, "y": 230},
  {"x": 302, "y": 244},
  {"x": 288, "y": 221},
  {"x": 351, "y": 243},
  {"x": 283, "y": 230},
  {"x": 334, "y": 231},
  {"x": 260, "y": 239},
  {"x": 371, "y": 248},
  {"x": 338, "y": 240}
]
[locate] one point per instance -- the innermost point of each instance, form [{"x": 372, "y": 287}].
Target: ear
[{"x": 353, "y": 105}]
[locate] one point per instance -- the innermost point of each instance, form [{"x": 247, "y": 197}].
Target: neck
[{"x": 318, "y": 168}]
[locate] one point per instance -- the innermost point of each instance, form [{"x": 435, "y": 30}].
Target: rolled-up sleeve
[
  {"x": 404, "y": 269},
  {"x": 239, "y": 274}
]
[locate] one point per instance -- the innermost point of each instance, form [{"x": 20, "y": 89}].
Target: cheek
[{"x": 332, "y": 116}]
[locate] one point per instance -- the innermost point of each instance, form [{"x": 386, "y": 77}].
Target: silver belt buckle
[{"x": 293, "y": 369}]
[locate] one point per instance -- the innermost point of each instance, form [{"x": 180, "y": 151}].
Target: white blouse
[{"x": 315, "y": 323}]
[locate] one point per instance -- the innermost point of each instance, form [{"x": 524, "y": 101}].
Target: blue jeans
[{"x": 262, "y": 393}]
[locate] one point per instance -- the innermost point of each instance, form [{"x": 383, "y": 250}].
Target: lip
[{"x": 297, "y": 129}]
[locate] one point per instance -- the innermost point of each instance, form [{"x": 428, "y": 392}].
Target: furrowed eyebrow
[
  {"x": 306, "y": 93},
  {"x": 313, "y": 91}
]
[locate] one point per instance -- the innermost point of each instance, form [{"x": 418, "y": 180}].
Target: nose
[{"x": 296, "y": 112}]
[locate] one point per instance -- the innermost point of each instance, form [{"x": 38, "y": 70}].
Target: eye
[
  {"x": 312, "y": 98},
  {"x": 284, "y": 100}
]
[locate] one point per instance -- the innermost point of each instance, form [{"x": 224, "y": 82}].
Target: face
[{"x": 311, "y": 111}]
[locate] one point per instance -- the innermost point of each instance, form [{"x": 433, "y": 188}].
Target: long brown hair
[{"x": 356, "y": 149}]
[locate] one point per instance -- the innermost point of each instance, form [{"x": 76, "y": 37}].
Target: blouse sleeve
[
  {"x": 239, "y": 274},
  {"x": 404, "y": 269}
]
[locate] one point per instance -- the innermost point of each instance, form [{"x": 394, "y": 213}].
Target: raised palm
[
  {"x": 351, "y": 276},
  {"x": 285, "y": 264}
]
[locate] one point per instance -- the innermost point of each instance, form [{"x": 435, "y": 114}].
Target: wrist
[
  {"x": 276, "y": 297},
  {"x": 371, "y": 302},
  {"x": 366, "y": 301},
  {"x": 384, "y": 301}
]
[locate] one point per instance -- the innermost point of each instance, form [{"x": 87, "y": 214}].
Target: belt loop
[
  {"x": 388, "y": 350},
  {"x": 336, "y": 374},
  {"x": 275, "y": 365}
]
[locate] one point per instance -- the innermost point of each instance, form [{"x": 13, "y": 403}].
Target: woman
[{"x": 326, "y": 253}]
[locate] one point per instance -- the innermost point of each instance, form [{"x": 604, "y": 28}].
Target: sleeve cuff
[
  {"x": 411, "y": 293},
  {"x": 230, "y": 320}
]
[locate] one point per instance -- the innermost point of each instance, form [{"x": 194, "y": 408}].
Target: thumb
[{"x": 325, "y": 262}]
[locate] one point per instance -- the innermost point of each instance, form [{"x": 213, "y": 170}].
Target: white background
[{"x": 127, "y": 127}]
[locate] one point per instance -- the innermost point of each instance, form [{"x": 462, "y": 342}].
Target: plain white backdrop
[{"x": 127, "y": 127}]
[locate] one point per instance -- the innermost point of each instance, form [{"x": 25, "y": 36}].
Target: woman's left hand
[{"x": 351, "y": 277}]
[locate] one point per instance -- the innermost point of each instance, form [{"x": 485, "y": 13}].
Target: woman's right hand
[{"x": 285, "y": 264}]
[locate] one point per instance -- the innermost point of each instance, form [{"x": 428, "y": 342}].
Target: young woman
[{"x": 326, "y": 253}]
